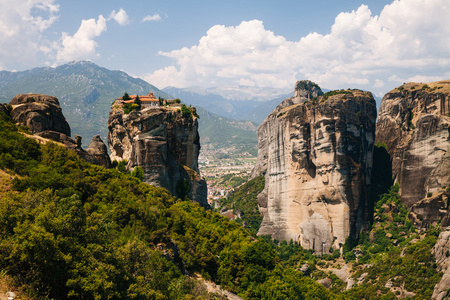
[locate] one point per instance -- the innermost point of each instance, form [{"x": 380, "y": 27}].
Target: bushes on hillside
[{"x": 72, "y": 230}]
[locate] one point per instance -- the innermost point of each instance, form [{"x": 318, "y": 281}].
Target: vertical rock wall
[
  {"x": 164, "y": 142},
  {"x": 414, "y": 123},
  {"x": 316, "y": 153}
]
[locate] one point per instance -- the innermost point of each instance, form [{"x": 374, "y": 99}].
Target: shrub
[
  {"x": 185, "y": 111},
  {"x": 138, "y": 172}
]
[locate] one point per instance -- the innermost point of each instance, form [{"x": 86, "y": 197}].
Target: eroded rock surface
[
  {"x": 164, "y": 142},
  {"x": 39, "y": 112},
  {"x": 316, "y": 153},
  {"x": 43, "y": 116},
  {"x": 441, "y": 252},
  {"x": 414, "y": 123}
]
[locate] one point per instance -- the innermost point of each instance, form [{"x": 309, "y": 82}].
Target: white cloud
[
  {"x": 154, "y": 17},
  {"x": 120, "y": 17},
  {"x": 409, "y": 37},
  {"x": 82, "y": 44},
  {"x": 378, "y": 83},
  {"x": 423, "y": 78},
  {"x": 21, "y": 25}
]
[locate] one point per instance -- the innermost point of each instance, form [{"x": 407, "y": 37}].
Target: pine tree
[
  {"x": 126, "y": 96},
  {"x": 138, "y": 101}
]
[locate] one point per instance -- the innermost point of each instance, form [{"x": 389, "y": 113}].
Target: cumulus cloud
[
  {"x": 120, "y": 17},
  {"x": 154, "y": 17},
  {"x": 82, "y": 44},
  {"x": 408, "y": 38},
  {"x": 21, "y": 25}
]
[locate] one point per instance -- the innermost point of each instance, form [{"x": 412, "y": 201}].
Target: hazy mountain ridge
[
  {"x": 84, "y": 89},
  {"x": 222, "y": 132},
  {"x": 233, "y": 102}
]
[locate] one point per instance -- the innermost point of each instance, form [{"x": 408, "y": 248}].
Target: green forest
[{"x": 72, "y": 230}]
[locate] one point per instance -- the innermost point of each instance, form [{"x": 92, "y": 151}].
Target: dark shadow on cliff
[{"x": 381, "y": 177}]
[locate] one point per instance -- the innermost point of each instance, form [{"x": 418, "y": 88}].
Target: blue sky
[{"x": 373, "y": 45}]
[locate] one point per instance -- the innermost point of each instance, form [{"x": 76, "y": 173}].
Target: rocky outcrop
[
  {"x": 43, "y": 116},
  {"x": 4, "y": 109},
  {"x": 316, "y": 153},
  {"x": 414, "y": 123},
  {"x": 164, "y": 141},
  {"x": 441, "y": 252},
  {"x": 98, "y": 150},
  {"x": 39, "y": 113}
]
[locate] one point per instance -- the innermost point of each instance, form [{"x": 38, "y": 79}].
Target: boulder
[
  {"x": 98, "y": 150},
  {"x": 39, "y": 112}
]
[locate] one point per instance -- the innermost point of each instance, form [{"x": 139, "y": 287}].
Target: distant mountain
[
  {"x": 221, "y": 132},
  {"x": 84, "y": 90},
  {"x": 239, "y": 103},
  {"x": 264, "y": 108},
  {"x": 242, "y": 93}
]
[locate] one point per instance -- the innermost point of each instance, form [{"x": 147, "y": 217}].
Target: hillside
[
  {"x": 220, "y": 132},
  {"x": 84, "y": 89},
  {"x": 390, "y": 259},
  {"x": 72, "y": 230}
]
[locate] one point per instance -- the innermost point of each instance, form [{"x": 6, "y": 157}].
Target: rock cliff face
[
  {"x": 43, "y": 116},
  {"x": 316, "y": 153},
  {"x": 164, "y": 142},
  {"x": 40, "y": 113},
  {"x": 441, "y": 252},
  {"x": 414, "y": 123}
]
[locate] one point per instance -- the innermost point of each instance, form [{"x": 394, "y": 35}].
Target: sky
[{"x": 374, "y": 45}]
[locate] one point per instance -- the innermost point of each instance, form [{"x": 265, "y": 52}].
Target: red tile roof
[{"x": 150, "y": 98}]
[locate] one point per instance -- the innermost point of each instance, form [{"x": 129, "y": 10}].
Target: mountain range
[
  {"x": 239, "y": 103},
  {"x": 84, "y": 89}
]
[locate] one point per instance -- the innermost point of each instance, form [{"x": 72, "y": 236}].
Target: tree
[
  {"x": 138, "y": 172},
  {"x": 185, "y": 111},
  {"x": 126, "y": 96},
  {"x": 138, "y": 101}
]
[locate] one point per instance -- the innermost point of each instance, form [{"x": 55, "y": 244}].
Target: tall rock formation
[
  {"x": 414, "y": 123},
  {"x": 43, "y": 116},
  {"x": 164, "y": 141},
  {"x": 316, "y": 153},
  {"x": 441, "y": 252}
]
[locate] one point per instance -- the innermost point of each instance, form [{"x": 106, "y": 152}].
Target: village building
[{"x": 146, "y": 101}]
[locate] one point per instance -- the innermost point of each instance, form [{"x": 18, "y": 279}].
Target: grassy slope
[{"x": 221, "y": 132}]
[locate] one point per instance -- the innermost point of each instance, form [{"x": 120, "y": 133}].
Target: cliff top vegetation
[{"x": 430, "y": 87}]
